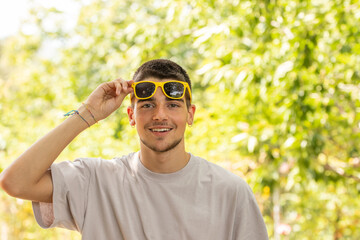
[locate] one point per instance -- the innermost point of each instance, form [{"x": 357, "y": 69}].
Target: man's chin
[{"x": 161, "y": 149}]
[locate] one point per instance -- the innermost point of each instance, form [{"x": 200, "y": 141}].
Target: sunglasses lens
[
  {"x": 144, "y": 89},
  {"x": 174, "y": 89}
]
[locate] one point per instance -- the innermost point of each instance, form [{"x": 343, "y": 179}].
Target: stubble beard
[{"x": 158, "y": 149}]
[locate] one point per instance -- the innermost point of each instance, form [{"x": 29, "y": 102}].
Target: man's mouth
[{"x": 160, "y": 129}]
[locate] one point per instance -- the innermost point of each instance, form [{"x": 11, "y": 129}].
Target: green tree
[{"x": 276, "y": 84}]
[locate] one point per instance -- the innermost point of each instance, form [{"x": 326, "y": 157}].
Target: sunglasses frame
[{"x": 161, "y": 85}]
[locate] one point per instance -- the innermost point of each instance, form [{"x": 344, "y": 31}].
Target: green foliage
[{"x": 276, "y": 84}]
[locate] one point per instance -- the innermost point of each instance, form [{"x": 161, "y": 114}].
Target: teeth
[{"x": 160, "y": 129}]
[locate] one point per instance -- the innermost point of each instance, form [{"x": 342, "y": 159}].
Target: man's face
[{"x": 161, "y": 121}]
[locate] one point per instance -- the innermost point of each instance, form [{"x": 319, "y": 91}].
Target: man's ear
[
  {"x": 130, "y": 112},
  {"x": 191, "y": 114}
]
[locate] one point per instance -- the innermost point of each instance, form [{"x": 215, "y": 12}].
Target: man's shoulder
[
  {"x": 96, "y": 163},
  {"x": 218, "y": 173}
]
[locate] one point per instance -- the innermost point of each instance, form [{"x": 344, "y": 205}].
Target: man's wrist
[{"x": 86, "y": 115}]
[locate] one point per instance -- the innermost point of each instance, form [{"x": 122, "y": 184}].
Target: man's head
[
  {"x": 160, "y": 114},
  {"x": 163, "y": 69}
]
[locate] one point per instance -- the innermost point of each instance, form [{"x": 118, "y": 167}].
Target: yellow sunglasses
[{"x": 172, "y": 89}]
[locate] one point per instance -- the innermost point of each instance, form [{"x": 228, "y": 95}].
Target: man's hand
[{"x": 107, "y": 97}]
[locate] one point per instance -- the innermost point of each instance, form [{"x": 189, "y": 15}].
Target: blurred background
[{"x": 276, "y": 84}]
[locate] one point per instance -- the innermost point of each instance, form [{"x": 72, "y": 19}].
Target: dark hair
[{"x": 163, "y": 69}]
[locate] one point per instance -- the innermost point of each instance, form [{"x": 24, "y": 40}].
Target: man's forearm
[
  {"x": 20, "y": 178},
  {"x": 28, "y": 176}
]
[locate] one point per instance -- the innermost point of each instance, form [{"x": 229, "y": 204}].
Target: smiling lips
[{"x": 160, "y": 129}]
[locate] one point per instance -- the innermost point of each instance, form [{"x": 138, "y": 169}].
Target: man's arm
[{"x": 29, "y": 177}]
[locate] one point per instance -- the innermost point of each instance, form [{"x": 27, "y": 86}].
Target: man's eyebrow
[
  {"x": 146, "y": 100},
  {"x": 179, "y": 100}
]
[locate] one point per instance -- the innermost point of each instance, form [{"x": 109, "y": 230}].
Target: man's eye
[
  {"x": 146, "y": 105},
  {"x": 173, "y": 105}
]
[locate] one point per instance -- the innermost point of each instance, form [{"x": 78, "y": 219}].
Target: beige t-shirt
[{"x": 121, "y": 199}]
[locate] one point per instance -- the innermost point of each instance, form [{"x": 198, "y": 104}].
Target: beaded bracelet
[
  {"x": 72, "y": 112},
  {"x": 92, "y": 115}
]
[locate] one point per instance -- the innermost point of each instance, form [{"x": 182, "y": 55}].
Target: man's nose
[{"x": 160, "y": 113}]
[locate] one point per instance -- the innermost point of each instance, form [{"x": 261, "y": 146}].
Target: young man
[{"x": 160, "y": 192}]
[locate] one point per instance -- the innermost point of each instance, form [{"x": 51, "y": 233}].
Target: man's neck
[{"x": 164, "y": 162}]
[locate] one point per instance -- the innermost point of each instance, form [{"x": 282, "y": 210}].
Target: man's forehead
[{"x": 156, "y": 98}]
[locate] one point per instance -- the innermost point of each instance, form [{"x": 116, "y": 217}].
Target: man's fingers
[
  {"x": 130, "y": 82},
  {"x": 108, "y": 96},
  {"x": 124, "y": 85},
  {"x": 118, "y": 87}
]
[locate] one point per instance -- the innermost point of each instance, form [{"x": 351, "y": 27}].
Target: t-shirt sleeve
[
  {"x": 249, "y": 223},
  {"x": 70, "y": 191}
]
